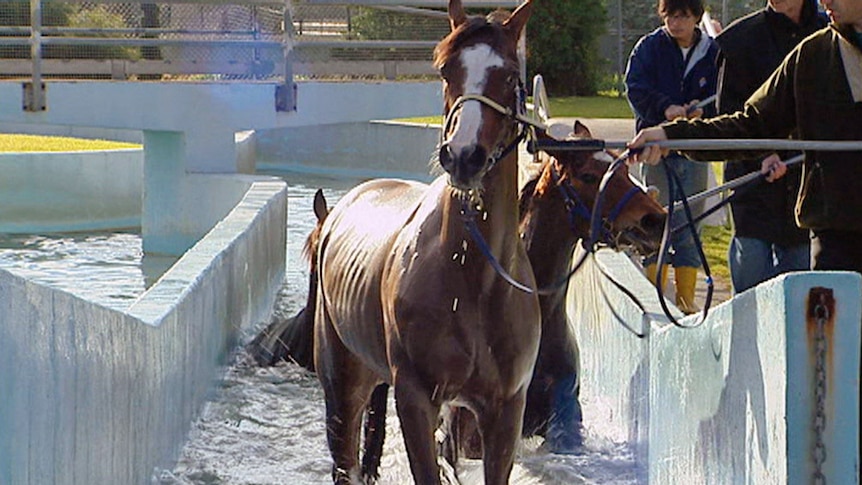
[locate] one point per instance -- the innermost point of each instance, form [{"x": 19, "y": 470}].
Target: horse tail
[
  {"x": 375, "y": 433},
  {"x": 292, "y": 339}
]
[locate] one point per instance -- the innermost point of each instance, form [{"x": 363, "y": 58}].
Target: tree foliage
[
  {"x": 56, "y": 14},
  {"x": 16, "y": 13},
  {"x": 563, "y": 45}
]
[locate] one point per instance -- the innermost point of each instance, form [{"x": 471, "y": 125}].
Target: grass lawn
[
  {"x": 590, "y": 107},
  {"x": 568, "y": 107},
  {"x": 36, "y": 143},
  {"x": 715, "y": 240}
]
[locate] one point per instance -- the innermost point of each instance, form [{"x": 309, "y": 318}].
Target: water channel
[{"x": 265, "y": 426}]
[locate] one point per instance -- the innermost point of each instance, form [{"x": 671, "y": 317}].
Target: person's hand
[
  {"x": 773, "y": 168},
  {"x": 692, "y": 110},
  {"x": 650, "y": 155},
  {"x": 674, "y": 111}
]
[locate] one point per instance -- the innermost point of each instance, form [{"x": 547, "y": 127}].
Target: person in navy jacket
[{"x": 670, "y": 71}]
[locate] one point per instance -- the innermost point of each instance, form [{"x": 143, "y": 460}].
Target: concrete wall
[
  {"x": 366, "y": 149},
  {"x": 191, "y": 128},
  {"x": 89, "y": 395},
  {"x": 76, "y": 191},
  {"x": 729, "y": 400},
  {"x": 95, "y": 396}
]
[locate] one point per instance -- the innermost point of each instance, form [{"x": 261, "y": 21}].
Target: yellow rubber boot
[
  {"x": 686, "y": 279},
  {"x": 651, "y": 270}
]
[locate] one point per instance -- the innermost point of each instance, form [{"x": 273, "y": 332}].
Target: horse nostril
[
  {"x": 476, "y": 158},
  {"x": 653, "y": 223},
  {"x": 445, "y": 156}
]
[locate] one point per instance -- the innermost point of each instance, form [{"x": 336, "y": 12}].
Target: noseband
[
  {"x": 501, "y": 150},
  {"x": 576, "y": 208}
]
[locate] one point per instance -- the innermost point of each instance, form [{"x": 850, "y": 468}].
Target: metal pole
[
  {"x": 34, "y": 91},
  {"x": 732, "y": 184},
  {"x": 730, "y": 145},
  {"x": 285, "y": 93}
]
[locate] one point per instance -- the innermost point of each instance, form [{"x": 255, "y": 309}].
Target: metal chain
[{"x": 819, "y": 451}]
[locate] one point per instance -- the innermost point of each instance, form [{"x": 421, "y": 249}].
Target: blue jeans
[
  {"x": 753, "y": 261},
  {"x": 694, "y": 177}
]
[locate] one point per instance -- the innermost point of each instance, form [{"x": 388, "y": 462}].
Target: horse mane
[
  {"x": 535, "y": 186},
  {"x": 310, "y": 247},
  {"x": 491, "y": 25}
]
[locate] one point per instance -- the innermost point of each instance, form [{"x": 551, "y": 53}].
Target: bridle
[
  {"x": 518, "y": 115},
  {"x": 576, "y": 208}
]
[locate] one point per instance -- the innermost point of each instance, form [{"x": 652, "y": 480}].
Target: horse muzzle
[
  {"x": 465, "y": 166},
  {"x": 645, "y": 237}
]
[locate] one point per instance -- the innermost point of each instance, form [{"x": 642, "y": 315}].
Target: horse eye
[{"x": 589, "y": 178}]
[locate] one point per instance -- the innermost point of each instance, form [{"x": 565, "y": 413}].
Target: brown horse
[
  {"x": 405, "y": 298},
  {"x": 555, "y": 213}
]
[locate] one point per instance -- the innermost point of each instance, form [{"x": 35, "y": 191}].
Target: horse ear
[
  {"x": 320, "y": 209},
  {"x": 456, "y": 14},
  {"x": 580, "y": 130},
  {"x": 516, "y": 22}
]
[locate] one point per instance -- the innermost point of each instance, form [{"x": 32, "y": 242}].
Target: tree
[
  {"x": 563, "y": 45},
  {"x": 16, "y": 13}
]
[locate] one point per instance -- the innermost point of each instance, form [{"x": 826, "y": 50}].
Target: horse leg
[
  {"x": 375, "y": 433},
  {"x": 347, "y": 385},
  {"x": 501, "y": 431},
  {"x": 418, "y": 417}
]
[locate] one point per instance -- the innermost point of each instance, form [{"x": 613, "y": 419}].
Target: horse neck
[
  {"x": 497, "y": 220},
  {"x": 548, "y": 235},
  {"x": 500, "y": 197}
]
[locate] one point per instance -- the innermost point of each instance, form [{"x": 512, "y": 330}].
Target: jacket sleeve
[
  {"x": 769, "y": 113},
  {"x": 731, "y": 92},
  {"x": 647, "y": 102}
]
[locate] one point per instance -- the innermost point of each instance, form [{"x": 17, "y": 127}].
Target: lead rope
[{"x": 675, "y": 184}]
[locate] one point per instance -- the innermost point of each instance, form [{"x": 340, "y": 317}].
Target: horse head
[
  {"x": 630, "y": 217},
  {"x": 479, "y": 64}
]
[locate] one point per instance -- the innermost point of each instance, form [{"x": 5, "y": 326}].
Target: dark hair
[{"x": 669, "y": 7}]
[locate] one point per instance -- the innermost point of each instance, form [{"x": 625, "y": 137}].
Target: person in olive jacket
[
  {"x": 816, "y": 92},
  {"x": 766, "y": 240}
]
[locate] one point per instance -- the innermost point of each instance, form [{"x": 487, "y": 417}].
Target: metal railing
[{"x": 220, "y": 40}]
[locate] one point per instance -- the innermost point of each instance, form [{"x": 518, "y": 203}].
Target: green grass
[
  {"x": 36, "y": 143},
  {"x": 590, "y": 107},
  {"x": 715, "y": 240},
  {"x": 567, "y": 107}
]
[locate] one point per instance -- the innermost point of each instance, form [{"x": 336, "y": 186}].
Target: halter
[
  {"x": 501, "y": 150},
  {"x": 575, "y": 207},
  {"x": 578, "y": 206}
]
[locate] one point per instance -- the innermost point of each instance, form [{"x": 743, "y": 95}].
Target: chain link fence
[
  {"x": 219, "y": 40},
  {"x": 215, "y": 40}
]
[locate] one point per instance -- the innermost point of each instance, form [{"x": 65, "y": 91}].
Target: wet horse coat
[
  {"x": 405, "y": 298},
  {"x": 555, "y": 206},
  {"x": 555, "y": 210}
]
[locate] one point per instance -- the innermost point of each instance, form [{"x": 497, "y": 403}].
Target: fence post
[
  {"x": 285, "y": 93},
  {"x": 34, "y": 91}
]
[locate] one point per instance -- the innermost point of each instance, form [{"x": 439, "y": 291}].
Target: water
[
  {"x": 265, "y": 426},
  {"x": 113, "y": 264}
]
